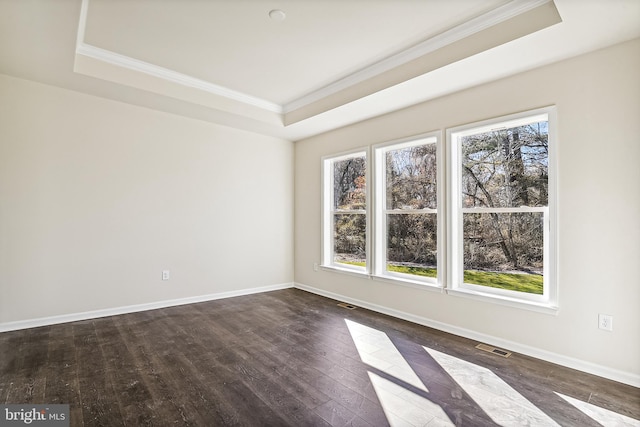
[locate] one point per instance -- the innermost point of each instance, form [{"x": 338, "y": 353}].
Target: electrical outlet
[
  {"x": 315, "y": 266},
  {"x": 605, "y": 322},
  {"x": 165, "y": 274}
]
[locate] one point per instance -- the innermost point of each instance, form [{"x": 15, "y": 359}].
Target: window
[
  {"x": 406, "y": 213},
  {"x": 501, "y": 198},
  {"x": 404, "y": 242},
  {"x": 384, "y": 213},
  {"x": 345, "y": 211}
]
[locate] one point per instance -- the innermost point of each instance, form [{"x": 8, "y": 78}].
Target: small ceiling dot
[{"x": 277, "y": 15}]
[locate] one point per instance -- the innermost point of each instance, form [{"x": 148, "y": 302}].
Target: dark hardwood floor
[{"x": 290, "y": 358}]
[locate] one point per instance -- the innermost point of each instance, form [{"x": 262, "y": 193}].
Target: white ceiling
[
  {"x": 236, "y": 45},
  {"x": 328, "y": 64}
]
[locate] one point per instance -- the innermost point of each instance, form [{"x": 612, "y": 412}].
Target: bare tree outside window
[
  {"x": 504, "y": 184},
  {"x": 473, "y": 214},
  {"x": 349, "y": 206},
  {"x": 411, "y": 203}
]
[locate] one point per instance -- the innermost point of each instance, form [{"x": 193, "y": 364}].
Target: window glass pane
[
  {"x": 411, "y": 177},
  {"x": 412, "y": 244},
  {"x": 349, "y": 184},
  {"x": 349, "y": 241},
  {"x": 506, "y": 167},
  {"x": 504, "y": 250}
]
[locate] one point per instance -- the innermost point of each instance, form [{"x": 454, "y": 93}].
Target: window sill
[
  {"x": 351, "y": 271},
  {"x": 540, "y": 307},
  {"x": 416, "y": 284}
]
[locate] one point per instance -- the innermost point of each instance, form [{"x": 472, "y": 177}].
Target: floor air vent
[
  {"x": 347, "y": 306},
  {"x": 493, "y": 350}
]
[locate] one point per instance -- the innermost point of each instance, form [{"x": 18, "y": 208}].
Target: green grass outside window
[{"x": 529, "y": 283}]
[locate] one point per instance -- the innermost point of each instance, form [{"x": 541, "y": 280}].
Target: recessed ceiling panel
[{"x": 235, "y": 44}]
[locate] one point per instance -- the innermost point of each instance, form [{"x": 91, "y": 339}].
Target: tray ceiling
[
  {"x": 328, "y": 64},
  {"x": 235, "y": 44}
]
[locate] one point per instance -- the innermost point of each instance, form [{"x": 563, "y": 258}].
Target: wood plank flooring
[{"x": 291, "y": 358}]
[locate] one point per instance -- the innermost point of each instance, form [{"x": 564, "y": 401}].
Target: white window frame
[
  {"x": 450, "y": 275},
  {"x": 548, "y": 301},
  {"x": 380, "y": 210},
  {"x": 328, "y": 212}
]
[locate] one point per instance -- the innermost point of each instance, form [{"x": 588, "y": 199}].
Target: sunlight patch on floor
[
  {"x": 497, "y": 399},
  {"x": 601, "y": 415},
  {"x": 406, "y": 401},
  {"x": 401, "y": 411},
  {"x": 377, "y": 350}
]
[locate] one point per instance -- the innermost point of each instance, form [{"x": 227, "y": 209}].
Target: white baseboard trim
[
  {"x": 73, "y": 317},
  {"x": 559, "y": 359}
]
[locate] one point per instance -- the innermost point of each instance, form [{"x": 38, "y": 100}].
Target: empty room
[{"x": 320, "y": 212}]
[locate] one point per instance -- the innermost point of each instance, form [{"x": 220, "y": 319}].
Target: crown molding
[
  {"x": 82, "y": 22},
  {"x": 496, "y": 16},
  {"x": 173, "y": 76},
  {"x": 133, "y": 64},
  {"x": 457, "y": 33}
]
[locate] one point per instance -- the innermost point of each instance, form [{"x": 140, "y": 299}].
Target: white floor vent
[
  {"x": 347, "y": 306},
  {"x": 493, "y": 350}
]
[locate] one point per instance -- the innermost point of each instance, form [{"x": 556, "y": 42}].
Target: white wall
[
  {"x": 98, "y": 197},
  {"x": 598, "y": 103}
]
